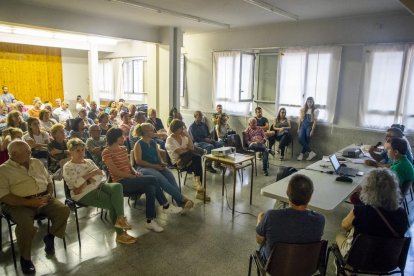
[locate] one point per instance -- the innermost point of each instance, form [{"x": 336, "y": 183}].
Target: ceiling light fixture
[
  {"x": 170, "y": 12},
  {"x": 273, "y": 9}
]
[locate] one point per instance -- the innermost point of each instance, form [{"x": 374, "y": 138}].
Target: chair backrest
[
  {"x": 378, "y": 254},
  {"x": 245, "y": 143},
  {"x": 234, "y": 140},
  {"x": 405, "y": 187},
  {"x": 297, "y": 259},
  {"x": 67, "y": 190}
]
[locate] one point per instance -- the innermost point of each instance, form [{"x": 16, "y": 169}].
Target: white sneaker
[
  {"x": 311, "y": 156},
  {"x": 172, "y": 210},
  {"x": 300, "y": 157},
  {"x": 153, "y": 225}
]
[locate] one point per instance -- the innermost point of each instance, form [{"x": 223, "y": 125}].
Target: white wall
[
  {"x": 352, "y": 33},
  {"x": 75, "y": 75}
]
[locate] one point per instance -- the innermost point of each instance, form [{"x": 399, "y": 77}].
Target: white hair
[{"x": 15, "y": 146}]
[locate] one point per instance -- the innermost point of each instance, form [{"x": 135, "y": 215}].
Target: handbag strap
[{"x": 386, "y": 222}]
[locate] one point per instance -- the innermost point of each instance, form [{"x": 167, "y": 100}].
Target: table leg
[
  {"x": 234, "y": 189},
  {"x": 204, "y": 179},
  {"x": 251, "y": 185},
  {"x": 222, "y": 181}
]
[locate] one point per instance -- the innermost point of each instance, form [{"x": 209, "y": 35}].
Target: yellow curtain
[{"x": 31, "y": 71}]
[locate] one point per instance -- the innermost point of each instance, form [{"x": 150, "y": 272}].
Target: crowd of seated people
[{"x": 110, "y": 134}]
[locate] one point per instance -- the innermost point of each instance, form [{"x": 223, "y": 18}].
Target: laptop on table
[{"x": 341, "y": 170}]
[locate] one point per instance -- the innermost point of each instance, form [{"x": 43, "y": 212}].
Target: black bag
[
  {"x": 285, "y": 172},
  {"x": 234, "y": 140},
  {"x": 185, "y": 160}
]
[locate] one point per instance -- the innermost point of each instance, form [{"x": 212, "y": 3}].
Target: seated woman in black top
[
  {"x": 379, "y": 190},
  {"x": 281, "y": 132}
]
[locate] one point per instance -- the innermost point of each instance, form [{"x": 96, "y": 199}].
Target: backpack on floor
[{"x": 284, "y": 172}]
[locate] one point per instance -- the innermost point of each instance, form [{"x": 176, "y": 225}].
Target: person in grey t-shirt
[
  {"x": 95, "y": 144},
  {"x": 295, "y": 224}
]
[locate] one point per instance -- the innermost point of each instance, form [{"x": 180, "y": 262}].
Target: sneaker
[
  {"x": 124, "y": 238},
  {"x": 27, "y": 266},
  {"x": 300, "y": 157},
  {"x": 172, "y": 210},
  {"x": 266, "y": 173},
  {"x": 49, "y": 241},
  {"x": 188, "y": 205},
  {"x": 281, "y": 158},
  {"x": 200, "y": 196},
  {"x": 123, "y": 224},
  {"x": 153, "y": 225},
  {"x": 311, "y": 156},
  {"x": 272, "y": 152}
]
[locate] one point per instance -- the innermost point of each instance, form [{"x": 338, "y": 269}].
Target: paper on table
[{"x": 358, "y": 161}]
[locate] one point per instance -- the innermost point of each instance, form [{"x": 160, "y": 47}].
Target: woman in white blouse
[
  {"x": 179, "y": 144},
  {"x": 84, "y": 179}
]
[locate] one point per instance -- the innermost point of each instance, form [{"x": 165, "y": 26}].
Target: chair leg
[
  {"x": 12, "y": 243},
  {"x": 77, "y": 226},
  {"x": 185, "y": 178},
  {"x": 179, "y": 179},
  {"x": 250, "y": 265}
]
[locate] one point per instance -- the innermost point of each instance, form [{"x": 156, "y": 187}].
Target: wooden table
[{"x": 236, "y": 161}]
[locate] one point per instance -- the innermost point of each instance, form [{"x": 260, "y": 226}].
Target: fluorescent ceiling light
[
  {"x": 57, "y": 35},
  {"x": 32, "y": 32},
  {"x": 273, "y": 9},
  {"x": 170, "y": 12},
  {"x": 5, "y": 29}
]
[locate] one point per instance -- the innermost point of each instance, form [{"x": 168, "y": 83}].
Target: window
[
  {"x": 233, "y": 81},
  {"x": 133, "y": 79},
  {"x": 387, "y": 87},
  {"x": 312, "y": 72},
  {"x": 267, "y": 77},
  {"x": 105, "y": 79}
]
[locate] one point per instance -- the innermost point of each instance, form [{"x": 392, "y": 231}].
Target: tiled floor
[{"x": 206, "y": 241}]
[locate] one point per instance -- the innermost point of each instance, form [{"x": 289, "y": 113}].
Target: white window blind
[
  {"x": 311, "y": 72},
  {"x": 105, "y": 79},
  {"x": 226, "y": 81},
  {"x": 133, "y": 71},
  {"x": 387, "y": 87}
]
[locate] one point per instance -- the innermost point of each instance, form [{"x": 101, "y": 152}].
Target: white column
[{"x": 93, "y": 73}]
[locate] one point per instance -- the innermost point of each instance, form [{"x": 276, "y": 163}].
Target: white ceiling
[{"x": 237, "y": 13}]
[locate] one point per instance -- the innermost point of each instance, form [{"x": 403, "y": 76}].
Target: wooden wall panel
[{"x": 31, "y": 71}]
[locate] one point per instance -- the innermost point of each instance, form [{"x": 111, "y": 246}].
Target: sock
[{"x": 166, "y": 206}]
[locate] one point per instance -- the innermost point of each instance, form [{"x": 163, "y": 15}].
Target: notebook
[{"x": 341, "y": 170}]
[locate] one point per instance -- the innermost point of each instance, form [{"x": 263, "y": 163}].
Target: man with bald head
[
  {"x": 25, "y": 191},
  {"x": 62, "y": 113}
]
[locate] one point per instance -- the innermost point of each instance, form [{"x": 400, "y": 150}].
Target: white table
[{"x": 328, "y": 193}]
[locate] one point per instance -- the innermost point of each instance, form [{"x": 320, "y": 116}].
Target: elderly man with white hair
[{"x": 25, "y": 191}]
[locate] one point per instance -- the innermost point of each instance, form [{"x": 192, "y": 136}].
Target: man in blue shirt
[
  {"x": 7, "y": 97},
  {"x": 201, "y": 136},
  {"x": 295, "y": 224}
]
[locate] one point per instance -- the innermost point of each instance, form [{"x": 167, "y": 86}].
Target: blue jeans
[
  {"x": 149, "y": 186},
  {"x": 265, "y": 154},
  {"x": 167, "y": 182},
  {"x": 207, "y": 146},
  {"x": 304, "y": 133}
]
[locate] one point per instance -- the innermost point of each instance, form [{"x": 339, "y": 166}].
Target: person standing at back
[
  {"x": 295, "y": 224},
  {"x": 307, "y": 123}
]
